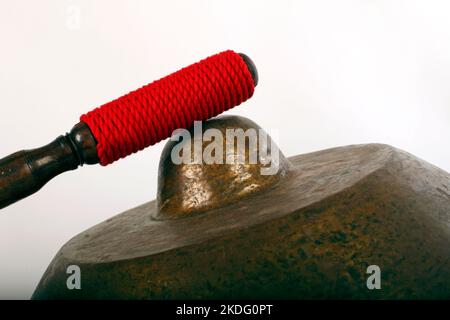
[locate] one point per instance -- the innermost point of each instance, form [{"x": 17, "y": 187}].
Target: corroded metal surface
[{"x": 310, "y": 236}]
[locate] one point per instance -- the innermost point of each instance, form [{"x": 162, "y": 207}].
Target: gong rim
[{"x": 133, "y": 233}]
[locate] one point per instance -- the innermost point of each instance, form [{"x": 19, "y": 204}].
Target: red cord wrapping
[{"x": 150, "y": 114}]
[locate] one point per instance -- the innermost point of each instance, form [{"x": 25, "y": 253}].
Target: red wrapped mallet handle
[
  {"x": 150, "y": 114},
  {"x": 132, "y": 122}
]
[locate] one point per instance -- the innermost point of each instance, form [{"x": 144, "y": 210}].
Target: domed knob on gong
[{"x": 229, "y": 158}]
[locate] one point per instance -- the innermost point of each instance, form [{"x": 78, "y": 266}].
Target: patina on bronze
[{"x": 309, "y": 232}]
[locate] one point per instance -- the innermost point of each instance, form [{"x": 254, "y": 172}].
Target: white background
[{"x": 332, "y": 73}]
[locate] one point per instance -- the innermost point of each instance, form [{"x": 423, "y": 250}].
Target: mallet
[{"x": 133, "y": 122}]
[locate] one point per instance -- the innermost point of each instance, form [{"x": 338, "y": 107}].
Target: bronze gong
[{"x": 309, "y": 231}]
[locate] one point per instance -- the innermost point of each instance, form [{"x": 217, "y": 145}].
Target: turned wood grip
[{"x": 25, "y": 172}]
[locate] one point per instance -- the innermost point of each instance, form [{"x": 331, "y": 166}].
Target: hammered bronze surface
[{"x": 310, "y": 235}]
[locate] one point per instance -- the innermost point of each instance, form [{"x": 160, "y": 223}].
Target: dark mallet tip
[{"x": 251, "y": 67}]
